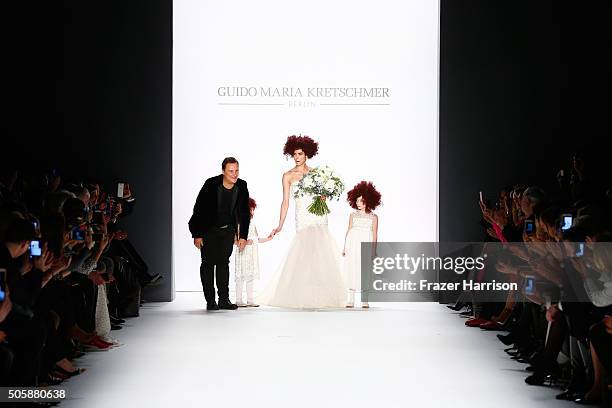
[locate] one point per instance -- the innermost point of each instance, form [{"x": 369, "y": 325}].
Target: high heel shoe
[
  {"x": 116, "y": 318},
  {"x": 507, "y": 339},
  {"x": 76, "y": 333},
  {"x": 539, "y": 377},
  {"x": 69, "y": 373},
  {"x": 116, "y": 321},
  {"x": 457, "y": 306},
  {"x": 588, "y": 399}
]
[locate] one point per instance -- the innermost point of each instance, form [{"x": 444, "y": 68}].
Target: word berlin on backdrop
[{"x": 291, "y": 92}]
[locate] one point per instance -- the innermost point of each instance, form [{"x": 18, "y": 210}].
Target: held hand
[
  {"x": 198, "y": 242},
  {"x": 241, "y": 244}
]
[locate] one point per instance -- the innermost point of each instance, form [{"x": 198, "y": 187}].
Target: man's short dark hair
[{"x": 228, "y": 160}]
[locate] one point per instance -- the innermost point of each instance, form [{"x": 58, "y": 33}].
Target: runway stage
[{"x": 418, "y": 354}]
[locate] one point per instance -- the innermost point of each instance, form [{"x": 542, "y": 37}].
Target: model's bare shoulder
[
  {"x": 288, "y": 176},
  {"x": 291, "y": 175}
]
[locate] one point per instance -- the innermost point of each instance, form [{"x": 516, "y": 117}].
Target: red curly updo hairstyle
[
  {"x": 252, "y": 205},
  {"x": 308, "y": 146},
  {"x": 369, "y": 194}
]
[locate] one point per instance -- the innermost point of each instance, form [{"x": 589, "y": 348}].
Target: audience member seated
[
  {"x": 60, "y": 244},
  {"x": 562, "y": 240}
]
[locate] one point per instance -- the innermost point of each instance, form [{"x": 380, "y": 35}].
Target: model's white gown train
[{"x": 309, "y": 276}]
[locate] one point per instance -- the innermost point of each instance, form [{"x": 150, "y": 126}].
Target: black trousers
[
  {"x": 217, "y": 248},
  {"x": 26, "y": 339},
  {"x": 602, "y": 341},
  {"x": 6, "y": 362},
  {"x": 126, "y": 250}
]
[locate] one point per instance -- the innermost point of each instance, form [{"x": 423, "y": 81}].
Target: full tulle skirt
[{"x": 309, "y": 277}]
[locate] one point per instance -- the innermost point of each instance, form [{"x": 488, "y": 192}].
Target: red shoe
[
  {"x": 475, "y": 322},
  {"x": 490, "y": 326},
  {"x": 102, "y": 341},
  {"x": 99, "y": 344}
]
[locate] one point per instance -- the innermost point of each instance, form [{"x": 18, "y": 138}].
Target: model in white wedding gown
[{"x": 309, "y": 276}]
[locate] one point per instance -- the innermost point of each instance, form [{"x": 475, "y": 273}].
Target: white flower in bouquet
[{"x": 322, "y": 183}]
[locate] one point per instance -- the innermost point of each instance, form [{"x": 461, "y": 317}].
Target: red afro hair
[
  {"x": 252, "y": 204},
  {"x": 308, "y": 146},
  {"x": 369, "y": 194}
]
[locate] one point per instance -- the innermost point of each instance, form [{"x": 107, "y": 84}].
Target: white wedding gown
[{"x": 309, "y": 277}]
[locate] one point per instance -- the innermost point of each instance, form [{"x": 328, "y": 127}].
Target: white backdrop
[{"x": 266, "y": 45}]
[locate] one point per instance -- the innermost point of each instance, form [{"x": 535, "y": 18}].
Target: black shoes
[
  {"x": 223, "y": 304},
  {"x": 212, "y": 306},
  {"x": 507, "y": 339},
  {"x": 227, "y": 305},
  {"x": 569, "y": 395},
  {"x": 150, "y": 280},
  {"x": 116, "y": 320},
  {"x": 456, "y": 306}
]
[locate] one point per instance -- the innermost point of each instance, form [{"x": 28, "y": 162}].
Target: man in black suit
[{"x": 220, "y": 214}]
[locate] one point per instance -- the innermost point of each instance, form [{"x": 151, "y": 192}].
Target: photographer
[
  {"x": 563, "y": 262},
  {"x": 22, "y": 331},
  {"x": 57, "y": 267}
]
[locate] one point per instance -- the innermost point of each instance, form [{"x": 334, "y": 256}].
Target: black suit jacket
[{"x": 205, "y": 209}]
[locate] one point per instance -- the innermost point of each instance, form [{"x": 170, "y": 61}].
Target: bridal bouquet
[{"x": 323, "y": 183}]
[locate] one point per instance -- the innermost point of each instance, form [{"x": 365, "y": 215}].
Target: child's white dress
[
  {"x": 247, "y": 261},
  {"x": 361, "y": 231}
]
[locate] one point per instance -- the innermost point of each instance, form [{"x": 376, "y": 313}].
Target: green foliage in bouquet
[{"x": 323, "y": 184}]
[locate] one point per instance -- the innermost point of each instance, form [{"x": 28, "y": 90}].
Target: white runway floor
[{"x": 413, "y": 355}]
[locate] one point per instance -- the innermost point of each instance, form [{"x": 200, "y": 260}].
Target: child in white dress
[
  {"x": 363, "y": 227},
  {"x": 247, "y": 262}
]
